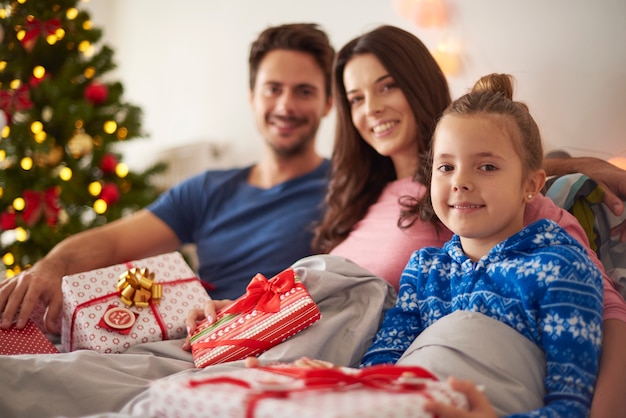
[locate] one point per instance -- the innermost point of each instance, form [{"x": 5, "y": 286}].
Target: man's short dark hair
[{"x": 302, "y": 37}]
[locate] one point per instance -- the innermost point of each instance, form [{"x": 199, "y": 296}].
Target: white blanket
[
  {"x": 470, "y": 345},
  {"x": 85, "y": 383}
]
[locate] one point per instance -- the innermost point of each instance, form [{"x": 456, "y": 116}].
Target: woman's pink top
[{"x": 377, "y": 244}]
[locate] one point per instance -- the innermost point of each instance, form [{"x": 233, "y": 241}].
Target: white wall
[{"x": 185, "y": 63}]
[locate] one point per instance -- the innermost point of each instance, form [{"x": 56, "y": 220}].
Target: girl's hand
[
  {"x": 303, "y": 362},
  {"x": 209, "y": 312},
  {"x": 479, "y": 405}
]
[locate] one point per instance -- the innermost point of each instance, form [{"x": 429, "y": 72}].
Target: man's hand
[
  {"x": 21, "y": 293},
  {"x": 613, "y": 181},
  {"x": 209, "y": 312},
  {"x": 610, "y": 178}
]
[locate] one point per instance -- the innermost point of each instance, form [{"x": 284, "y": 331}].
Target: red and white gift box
[
  {"x": 28, "y": 340},
  {"x": 95, "y": 317},
  {"x": 270, "y": 312},
  {"x": 284, "y": 391}
]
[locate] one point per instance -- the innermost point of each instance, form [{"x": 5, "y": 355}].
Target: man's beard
[{"x": 299, "y": 147}]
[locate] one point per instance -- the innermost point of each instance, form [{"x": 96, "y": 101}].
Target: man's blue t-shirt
[{"x": 241, "y": 230}]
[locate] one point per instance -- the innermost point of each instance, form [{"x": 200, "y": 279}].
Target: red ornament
[
  {"x": 110, "y": 193},
  {"x": 108, "y": 164},
  {"x": 34, "y": 81},
  {"x": 96, "y": 93}
]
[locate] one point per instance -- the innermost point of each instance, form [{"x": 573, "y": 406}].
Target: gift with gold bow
[
  {"x": 110, "y": 309},
  {"x": 270, "y": 312}
]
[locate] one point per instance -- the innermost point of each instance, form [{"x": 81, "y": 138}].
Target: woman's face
[{"x": 381, "y": 113}]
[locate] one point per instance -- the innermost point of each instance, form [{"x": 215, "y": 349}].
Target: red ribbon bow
[
  {"x": 46, "y": 202},
  {"x": 7, "y": 221},
  {"x": 35, "y": 27},
  {"x": 264, "y": 295},
  {"x": 12, "y": 101}
]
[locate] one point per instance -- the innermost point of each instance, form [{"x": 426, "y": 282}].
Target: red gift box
[
  {"x": 287, "y": 392},
  {"x": 110, "y": 309},
  {"x": 270, "y": 312},
  {"x": 28, "y": 340}
]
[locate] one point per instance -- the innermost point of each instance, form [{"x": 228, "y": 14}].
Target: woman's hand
[{"x": 209, "y": 312}]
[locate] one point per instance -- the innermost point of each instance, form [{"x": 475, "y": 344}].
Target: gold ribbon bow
[{"x": 136, "y": 286}]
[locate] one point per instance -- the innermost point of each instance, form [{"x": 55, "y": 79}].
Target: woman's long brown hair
[{"x": 359, "y": 173}]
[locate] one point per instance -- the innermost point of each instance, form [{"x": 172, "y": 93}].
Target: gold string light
[
  {"x": 21, "y": 235},
  {"x": 19, "y": 203},
  {"x": 71, "y": 13},
  {"x": 8, "y": 259},
  {"x": 39, "y": 72},
  {"x": 109, "y": 126},
  {"x": 94, "y": 188},
  {"x": 121, "y": 170},
  {"x": 65, "y": 174},
  {"x": 26, "y": 163},
  {"x": 100, "y": 206}
]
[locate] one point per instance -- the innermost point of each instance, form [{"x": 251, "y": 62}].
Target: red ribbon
[
  {"x": 382, "y": 377},
  {"x": 238, "y": 342},
  {"x": 46, "y": 202},
  {"x": 264, "y": 295},
  {"x": 12, "y": 101},
  {"x": 35, "y": 27}
]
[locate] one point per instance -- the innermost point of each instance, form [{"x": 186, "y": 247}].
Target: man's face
[{"x": 288, "y": 101}]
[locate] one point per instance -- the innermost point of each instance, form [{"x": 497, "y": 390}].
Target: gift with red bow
[
  {"x": 113, "y": 308},
  {"x": 270, "y": 312},
  {"x": 279, "y": 391}
]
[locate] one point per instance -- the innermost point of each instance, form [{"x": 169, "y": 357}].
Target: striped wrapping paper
[{"x": 270, "y": 312}]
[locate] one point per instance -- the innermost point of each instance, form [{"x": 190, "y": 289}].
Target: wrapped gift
[
  {"x": 284, "y": 391},
  {"x": 28, "y": 340},
  {"x": 270, "y": 312},
  {"x": 110, "y": 309}
]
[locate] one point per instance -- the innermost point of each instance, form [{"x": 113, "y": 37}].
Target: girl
[{"x": 486, "y": 166}]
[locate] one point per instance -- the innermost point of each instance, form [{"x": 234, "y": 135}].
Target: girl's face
[
  {"x": 380, "y": 112},
  {"x": 478, "y": 186}
]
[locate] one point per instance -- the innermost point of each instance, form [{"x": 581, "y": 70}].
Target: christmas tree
[{"x": 60, "y": 121}]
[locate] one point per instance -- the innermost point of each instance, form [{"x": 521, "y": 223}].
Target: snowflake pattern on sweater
[{"x": 539, "y": 281}]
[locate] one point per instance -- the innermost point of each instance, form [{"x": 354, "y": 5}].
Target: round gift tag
[{"x": 119, "y": 318}]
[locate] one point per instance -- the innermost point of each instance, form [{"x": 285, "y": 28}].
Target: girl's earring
[{"x": 529, "y": 196}]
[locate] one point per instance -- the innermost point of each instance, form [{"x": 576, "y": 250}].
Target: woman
[{"x": 389, "y": 92}]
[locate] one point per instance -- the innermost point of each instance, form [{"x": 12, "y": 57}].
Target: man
[{"x": 243, "y": 221}]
